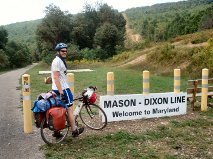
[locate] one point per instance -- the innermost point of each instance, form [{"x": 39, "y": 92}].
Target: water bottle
[{"x": 77, "y": 109}]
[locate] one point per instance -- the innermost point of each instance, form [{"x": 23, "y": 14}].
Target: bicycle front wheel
[
  {"x": 93, "y": 116},
  {"x": 48, "y": 135}
]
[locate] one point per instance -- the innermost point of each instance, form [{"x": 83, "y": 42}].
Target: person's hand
[{"x": 62, "y": 97}]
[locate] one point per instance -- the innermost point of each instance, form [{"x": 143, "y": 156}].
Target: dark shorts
[{"x": 67, "y": 95}]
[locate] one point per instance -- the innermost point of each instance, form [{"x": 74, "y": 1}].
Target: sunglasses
[{"x": 63, "y": 50}]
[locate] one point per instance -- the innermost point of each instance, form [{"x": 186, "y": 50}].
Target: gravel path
[{"x": 15, "y": 144}]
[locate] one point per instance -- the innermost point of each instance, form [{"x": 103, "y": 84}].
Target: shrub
[
  {"x": 202, "y": 58},
  {"x": 121, "y": 57},
  {"x": 4, "y": 62},
  {"x": 199, "y": 40}
]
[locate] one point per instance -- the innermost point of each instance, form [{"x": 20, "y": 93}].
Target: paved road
[{"x": 14, "y": 143}]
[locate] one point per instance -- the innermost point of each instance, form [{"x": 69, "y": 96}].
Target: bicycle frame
[
  {"x": 78, "y": 108},
  {"x": 90, "y": 114}
]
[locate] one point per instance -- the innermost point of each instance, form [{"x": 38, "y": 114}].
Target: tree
[
  {"x": 207, "y": 19},
  {"x": 55, "y": 27},
  {"x": 84, "y": 28},
  {"x": 4, "y": 62},
  {"x": 18, "y": 54},
  {"x": 3, "y": 38},
  {"x": 88, "y": 30},
  {"x": 109, "y": 15},
  {"x": 106, "y": 38}
]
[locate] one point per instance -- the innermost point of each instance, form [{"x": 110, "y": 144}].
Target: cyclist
[{"x": 60, "y": 86}]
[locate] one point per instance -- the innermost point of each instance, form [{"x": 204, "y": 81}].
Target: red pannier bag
[
  {"x": 38, "y": 117},
  {"x": 56, "y": 118}
]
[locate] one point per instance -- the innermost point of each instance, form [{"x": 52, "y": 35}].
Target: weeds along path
[{"x": 145, "y": 52}]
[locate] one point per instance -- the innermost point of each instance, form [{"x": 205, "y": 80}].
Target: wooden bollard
[
  {"x": 110, "y": 83},
  {"x": 205, "y": 74},
  {"x": 27, "y": 103},
  {"x": 146, "y": 82},
  {"x": 176, "y": 80}
]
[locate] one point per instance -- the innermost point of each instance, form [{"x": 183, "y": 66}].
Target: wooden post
[
  {"x": 145, "y": 82},
  {"x": 27, "y": 103},
  {"x": 176, "y": 80},
  {"x": 205, "y": 74},
  {"x": 110, "y": 83}
]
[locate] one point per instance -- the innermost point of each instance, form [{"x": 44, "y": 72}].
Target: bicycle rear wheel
[
  {"x": 93, "y": 116},
  {"x": 47, "y": 134}
]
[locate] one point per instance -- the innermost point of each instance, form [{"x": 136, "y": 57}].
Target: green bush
[
  {"x": 4, "y": 59},
  {"x": 48, "y": 58},
  {"x": 202, "y": 58},
  {"x": 121, "y": 57},
  {"x": 18, "y": 54},
  {"x": 88, "y": 54},
  {"x": 200, "y": 40}
]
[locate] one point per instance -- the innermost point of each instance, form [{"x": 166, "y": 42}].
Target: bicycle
[{"x": 91, "y": 115}]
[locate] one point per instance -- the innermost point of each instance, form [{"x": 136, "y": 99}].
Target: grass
[
  {"x": 179, "y": 139},
  {"x": 127, "y": 81}
]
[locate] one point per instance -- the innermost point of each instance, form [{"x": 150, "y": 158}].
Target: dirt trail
[
  {"x": 130, "y": 32},
  {"x": 138, "y": 59},
  {"x": 145, "y": 52},
  {"x": 15, "y": 144}
]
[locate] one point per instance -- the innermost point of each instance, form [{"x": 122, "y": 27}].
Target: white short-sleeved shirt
[{"x": 58, "y": 65}]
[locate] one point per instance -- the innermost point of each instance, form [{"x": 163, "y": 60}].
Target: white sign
[
  {"x": 137, "y": 106},
  {"x": 78, "y": 70}
]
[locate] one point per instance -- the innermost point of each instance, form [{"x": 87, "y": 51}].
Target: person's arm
[{"x": 56, "y": 75}]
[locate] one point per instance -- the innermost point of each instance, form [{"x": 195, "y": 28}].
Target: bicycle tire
[
  {"x": 47, "y": 134},
  {"x": 94, "y": 118}
]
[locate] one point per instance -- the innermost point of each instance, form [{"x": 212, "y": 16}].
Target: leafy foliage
[
  {"x": 106, "y": 37},
  {"x": 4, "y": 62},
  {"x": 12, "y": 54},
  {"x": 88, "y": 30},
  {"x": 54, "y": 28},
  {"x": 3, "y": 38},
  {"x": 18, "y": 54},
  {"x": 202, "y": 58},
  {"x": 164, "y": 21},
  {"x": 23, "y": 32}
]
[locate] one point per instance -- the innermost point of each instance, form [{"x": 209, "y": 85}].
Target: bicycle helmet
[{"x": 60, "y": 46}]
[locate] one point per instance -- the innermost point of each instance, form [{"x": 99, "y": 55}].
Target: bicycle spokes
[
  {"x": 93, "y": 116},
  {"x": 89, "y": 111}
]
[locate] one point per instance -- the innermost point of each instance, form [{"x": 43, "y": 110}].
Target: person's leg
[
  {"x": 71, "y": 118},
  {"x": 69, "y": 101}
]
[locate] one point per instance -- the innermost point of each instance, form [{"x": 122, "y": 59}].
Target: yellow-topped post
[
  {"x": 205, "y": 74},
  {"x": 110, "y": 83},
  {"x": 176, "y": 80},
  {"x": 26, "y": 92},
  {"x": 71, "y": 79},
  {"x": 145, "y": 82}
]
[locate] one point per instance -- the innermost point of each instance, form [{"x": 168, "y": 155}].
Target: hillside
[
  {"x": 168, "y": 20},
  {"x": 158, "y": 14},
  {"x": 23, "y": 32},
  {"x": 190, "y": 53},
  {"x": 146, "y": 45}
]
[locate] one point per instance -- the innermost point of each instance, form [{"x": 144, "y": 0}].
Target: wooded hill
[
  {"x": 23, "y": 32},
  {"x": 168, "y": 20},
  {"x": 156, "y": 22}
]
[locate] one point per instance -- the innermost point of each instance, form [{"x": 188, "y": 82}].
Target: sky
[{"x": 12, "y": 11}]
